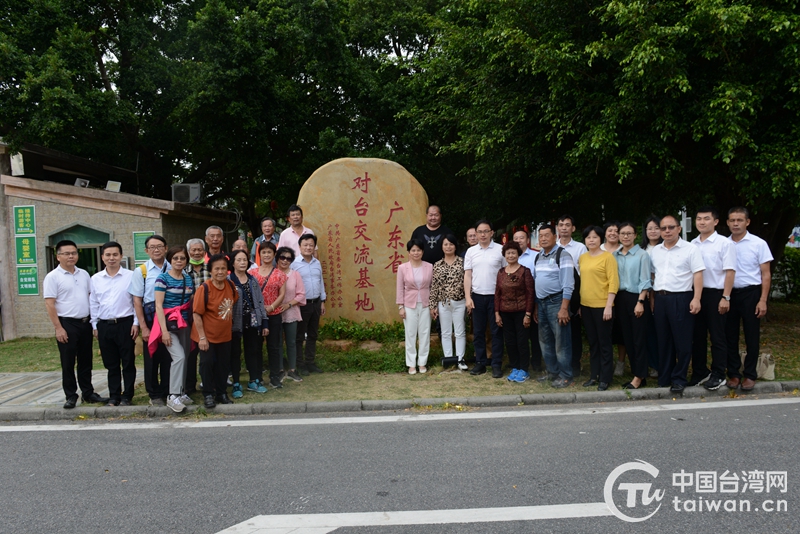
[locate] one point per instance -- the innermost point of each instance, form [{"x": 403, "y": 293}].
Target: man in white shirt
[
  {"x": 66, "y": 296},
  {"x": 678, "y": 286},
  {"x": 144, "y": 302},
  {"x": 719, "y": 257},
  {"x": 748, "y": 299},
  {"x": 481, "y": 264},
  {"x": 523, "y": 239},
  {"x": 565, "y": 229},
  {"x": 291, "y": 236},
  {"x": 114, "y": 324}
]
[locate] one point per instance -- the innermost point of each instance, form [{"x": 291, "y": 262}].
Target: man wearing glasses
[
  {"x": 142, "y": 289},
  {"x": 66, "y": 296},
  {"x": 678, "y": 287}
]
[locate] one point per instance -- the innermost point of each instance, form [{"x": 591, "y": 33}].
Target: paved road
[{"x": 481, "y": 471}]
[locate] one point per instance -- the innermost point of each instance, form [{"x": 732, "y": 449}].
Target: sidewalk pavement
[{"x": 38, "y": 397}]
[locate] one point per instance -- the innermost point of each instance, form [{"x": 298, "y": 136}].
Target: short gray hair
[
  {"x": 195, "y": 241},
  {"x": 214, "y": 228}
]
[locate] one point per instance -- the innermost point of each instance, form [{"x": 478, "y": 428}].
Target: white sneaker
[
  {"x": 186, "y": 399},
  {"x": 619, "y": 369},
  {"x": 174, "y": 403},
  {"x": 462, "y": 365}
]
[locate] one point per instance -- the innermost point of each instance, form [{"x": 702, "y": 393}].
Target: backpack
[{"x": 575, "y": 301}]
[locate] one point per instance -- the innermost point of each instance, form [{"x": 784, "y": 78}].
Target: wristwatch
[
  {"x": 641, "y": 301},
  {"x": 727, "y": 297}
]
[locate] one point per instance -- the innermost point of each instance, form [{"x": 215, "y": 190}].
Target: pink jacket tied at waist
[{"x": 172, "y": 314}]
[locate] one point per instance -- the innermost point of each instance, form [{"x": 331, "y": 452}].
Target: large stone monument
[{"x": 363, "y": 211}]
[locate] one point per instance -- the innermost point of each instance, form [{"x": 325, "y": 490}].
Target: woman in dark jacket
[{"x": 513, "y": 307}]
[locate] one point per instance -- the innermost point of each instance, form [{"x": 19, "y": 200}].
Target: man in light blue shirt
[
  {"x": 554, "y": 279},
  {"x": 310, "y": 270}
]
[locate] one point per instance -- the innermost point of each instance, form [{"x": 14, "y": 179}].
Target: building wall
[
  {"x": 179, "y": 230},
  {"x": 30, "y": 314}
]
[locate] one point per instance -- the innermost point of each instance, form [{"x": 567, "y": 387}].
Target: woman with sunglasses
[
  {"x": 272, "y": 282},
  {"x": 250, "y": 324},
  {"x": 173, "y": 293},
  {"x": 294, "y": 297}
]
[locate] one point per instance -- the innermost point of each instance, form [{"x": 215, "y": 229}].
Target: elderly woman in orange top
[
  {"x": 599, "y": 287},
  {"x": 413, "y": 295},
  {"x": 513, "y": 307}
]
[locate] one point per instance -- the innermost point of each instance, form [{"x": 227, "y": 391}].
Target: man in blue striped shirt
[{"x": 554, "y": 277}]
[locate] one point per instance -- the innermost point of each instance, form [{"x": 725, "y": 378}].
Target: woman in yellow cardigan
[{"x": 599, "y": 286}]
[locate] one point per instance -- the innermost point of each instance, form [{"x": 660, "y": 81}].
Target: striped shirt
[{"x": 173, "y": 291}]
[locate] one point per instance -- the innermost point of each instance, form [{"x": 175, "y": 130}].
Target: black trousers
[
  {"x": 190, "y": 383},
  {"x": 214, "y": 364},
  {"x": 535, "y": 348},
  {"x": 253, "y": 353},
  {"x": 274, "y": 345},
  {"x": 634, "y": 331},
  {"x": 575, "y": 323},
  {"x": 117, "y": 349},
  {"x": 601, "y": 351},
  {"x": 743, "y": 309},
  {"x": 310, "y": 314},
  {"x": 156, "y": 365},
  {"x": 77, "y": 349},
  {"x": 483, "y": 316},
  {"x": 516, "y": 337},
  {"x": 709, "y": 323},
  {"x": 675, "y": 327}
]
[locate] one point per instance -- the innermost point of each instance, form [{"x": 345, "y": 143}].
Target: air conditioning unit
[{"x": 187, "y": 193}]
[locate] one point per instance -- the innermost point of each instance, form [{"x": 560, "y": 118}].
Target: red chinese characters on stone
[
  {"x": 397, "y": 207},
  {"x": 395, "y": 261},
  {"x": 362, "y": 255},
  {"x": 361, "y": 231},
  {"x": 362, "y": 184},
  {"x": 394, "y": 238},
  {"x": 363, "y": 279},
  {"x": 361, "y": 207},
  {"x": 363, "y": 303}
]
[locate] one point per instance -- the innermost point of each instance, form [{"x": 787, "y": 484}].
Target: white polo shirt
[
  {"x": 751, "y": 253},
  {"x": 575, "y": 250},
  {"x": 110, "y": 298},
  {"x": 719, "y": 255},
  {"x": 484, "y": 263},
  {"x": 675, "y": 267},
  {"x": 71, "y": 291}
]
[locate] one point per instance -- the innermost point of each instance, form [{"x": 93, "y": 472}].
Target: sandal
[{"x": 412, "y": 370}]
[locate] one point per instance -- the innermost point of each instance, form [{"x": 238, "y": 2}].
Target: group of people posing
[
  {"x": 190, "y": 302},
  {"x": 659, "y": 300}
]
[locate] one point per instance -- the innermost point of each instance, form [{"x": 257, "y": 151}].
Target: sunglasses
[
  {"x": 671, "y": 227},
  {"x": 285, "y": 258}
]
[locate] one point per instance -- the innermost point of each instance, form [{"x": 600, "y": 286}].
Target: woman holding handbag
[
  {"x": 250, "y": 324},
  {"x": 173, "y": 295}
]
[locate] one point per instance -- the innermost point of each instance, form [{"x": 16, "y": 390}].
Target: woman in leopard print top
[{"x": 447, "y": 300}]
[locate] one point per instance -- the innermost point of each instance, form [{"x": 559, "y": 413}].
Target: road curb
[{"x": 51, "y": 413}]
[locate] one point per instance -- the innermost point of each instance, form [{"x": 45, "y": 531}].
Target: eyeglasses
[
  {"x": 627, "y": 234},
  {"x": 671, "y": 227},
  {"x": 156, "y": 247},
  {"x": 484, "y": 231},
  {"x": 285, "y": 258},
  {"x": 67, "y": 254},
  {"x": 178, "y": 258}
]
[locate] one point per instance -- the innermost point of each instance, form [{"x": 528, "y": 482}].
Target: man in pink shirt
[{"x": 291, "y": 236}]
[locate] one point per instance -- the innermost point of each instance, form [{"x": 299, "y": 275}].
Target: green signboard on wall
[
  {"x": 139, "y": 251},
  {"x": 26, "y": 250},
  {"x": 24, "y": 220},
  {"x": 28, "y": 280}
]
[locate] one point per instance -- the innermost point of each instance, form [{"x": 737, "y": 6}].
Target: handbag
[{"x": 765, "y": 368}]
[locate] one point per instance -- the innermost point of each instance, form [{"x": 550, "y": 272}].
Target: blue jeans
[
  {"x": 554, "y": 339},
  {"x": 481, "y": 314}
]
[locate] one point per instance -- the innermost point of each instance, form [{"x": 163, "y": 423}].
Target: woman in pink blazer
[{"x": 413, "y": 292}]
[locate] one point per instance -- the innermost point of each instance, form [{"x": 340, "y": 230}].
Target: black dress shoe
[
  {"x": 497, "y": 373},
  {"x": 477, "y": 370},
  {"x": 676, "y": 388},
  {"x": 590, "y": 383},
  {"x": 112, "y": 402},
  {"x": 209, "y": 401},
  {"x": 629, "y": 385},
  {"x": 125, "y": 402},
  {"x": 94, "y": 397},
  {"x": 70, "y": 403},
  {"x": 223, "y": 399},
  {"x": 602, "y": 386},
  {"x": 312, "y": 368}
]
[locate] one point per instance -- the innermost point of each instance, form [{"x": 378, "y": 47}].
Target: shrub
[
  {"x": 787, "y": 275},
  {"x": 365, "y": 331}
]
